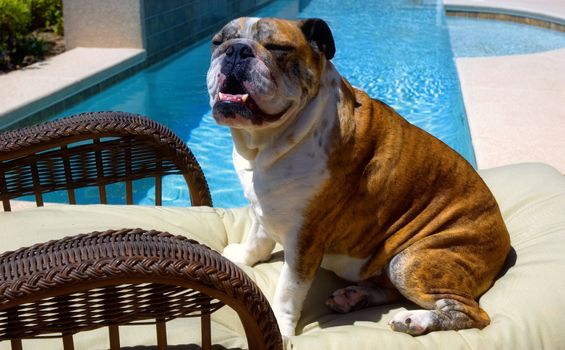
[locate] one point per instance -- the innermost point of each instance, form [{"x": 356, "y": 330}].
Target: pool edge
[
  {"x": 549, "y": 14},
  {"x": 507, "y": 15},
  {"x": 53, "y": 85}
]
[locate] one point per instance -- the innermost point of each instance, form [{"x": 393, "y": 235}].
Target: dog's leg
[
  {"x": 294, "y": 282},
  {"x": 356, "y": 297},
  {"x": 289, "y": 297},
  {"x": 440, "y": 282},
  {"x": 257, "y": 246}
]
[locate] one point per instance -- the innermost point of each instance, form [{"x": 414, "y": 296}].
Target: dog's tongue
[{"x": 240, "y": 98}]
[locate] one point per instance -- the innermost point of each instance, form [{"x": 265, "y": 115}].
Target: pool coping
[
  {"x": 552, "y": 23},
  {"x": 505, "y": 14},
  {"x": 43, "y": 88},
  {"x": 540, "y": 11}
]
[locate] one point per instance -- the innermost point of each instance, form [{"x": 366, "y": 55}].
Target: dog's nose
[{"x": 239, "y": 51}]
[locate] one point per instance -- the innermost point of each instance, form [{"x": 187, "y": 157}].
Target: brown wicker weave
[
  {"x": 94, "y": 149},
  {"x": 113, "y": 278}
]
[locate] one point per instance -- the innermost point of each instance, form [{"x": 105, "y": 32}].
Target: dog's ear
[{"x": 318, "y": 32}]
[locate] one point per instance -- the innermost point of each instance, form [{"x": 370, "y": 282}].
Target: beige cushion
[{"x": 526, "y": 304}]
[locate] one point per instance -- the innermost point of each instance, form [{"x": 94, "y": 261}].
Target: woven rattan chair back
[{"x": 94, "y": 149}]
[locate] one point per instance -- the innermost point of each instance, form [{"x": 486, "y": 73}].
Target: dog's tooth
[
  {"x": 244, "y": 97},
  {"x": 220, "y": 96}
]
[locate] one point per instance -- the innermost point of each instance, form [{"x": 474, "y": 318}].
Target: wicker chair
[{"x": 117, "y": 277}]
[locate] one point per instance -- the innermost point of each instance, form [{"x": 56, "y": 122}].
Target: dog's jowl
[{"x": 345, "y": 183}]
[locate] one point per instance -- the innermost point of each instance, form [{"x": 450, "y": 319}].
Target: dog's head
[{"x": 264, "y": 70}]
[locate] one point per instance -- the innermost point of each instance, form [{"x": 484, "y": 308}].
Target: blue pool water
[{"x": 397, "y": 50}]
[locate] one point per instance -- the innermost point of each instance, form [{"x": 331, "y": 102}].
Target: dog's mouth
[
  {"x": 233, "y": 91},
  {"x": 234, "y": 105}
]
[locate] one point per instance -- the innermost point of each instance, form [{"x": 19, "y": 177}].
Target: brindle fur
[{"x": 397, "y": 192}]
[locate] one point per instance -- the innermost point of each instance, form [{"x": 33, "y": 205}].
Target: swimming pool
[{"x": 398, "y": 51}]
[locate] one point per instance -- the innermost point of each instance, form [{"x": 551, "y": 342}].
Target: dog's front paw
[
  {"x": 286, "y": 332},
  {"x": 237, "y": 253},
  {"x": 286, "y": 320},
  {"x": 286, "y": 327}
]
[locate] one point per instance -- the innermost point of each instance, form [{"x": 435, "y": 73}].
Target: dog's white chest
[{"x": 280, "y": 194}]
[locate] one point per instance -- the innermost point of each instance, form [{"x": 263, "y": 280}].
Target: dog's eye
[
  {"x": 279, "y": 48},
  {"x": 217, "y": 42}
]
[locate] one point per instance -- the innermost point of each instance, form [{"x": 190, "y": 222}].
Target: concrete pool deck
[
  {"x": 516, "y": 108},
  {"x": 515, "y": 104},
  {"x": 39, "y": 86}
]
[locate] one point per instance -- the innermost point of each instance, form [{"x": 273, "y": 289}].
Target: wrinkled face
[{"x": 265, "y": 70}]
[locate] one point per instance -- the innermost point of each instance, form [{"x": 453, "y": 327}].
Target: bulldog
[{"x": 343, "y": 182}]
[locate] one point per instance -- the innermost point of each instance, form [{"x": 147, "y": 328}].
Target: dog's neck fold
[{"x": 263, "y": 147}]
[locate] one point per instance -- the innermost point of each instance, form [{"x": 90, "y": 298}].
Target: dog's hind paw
[
  {"x": 357, "y": 297},
  {"x": 414, "y": 322},
  {"x": 348, "y": 299}
]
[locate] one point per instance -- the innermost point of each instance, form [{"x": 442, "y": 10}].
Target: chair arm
[
  {"x": 94, "y": 149},
  {"x": 117, "y": 277}
]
